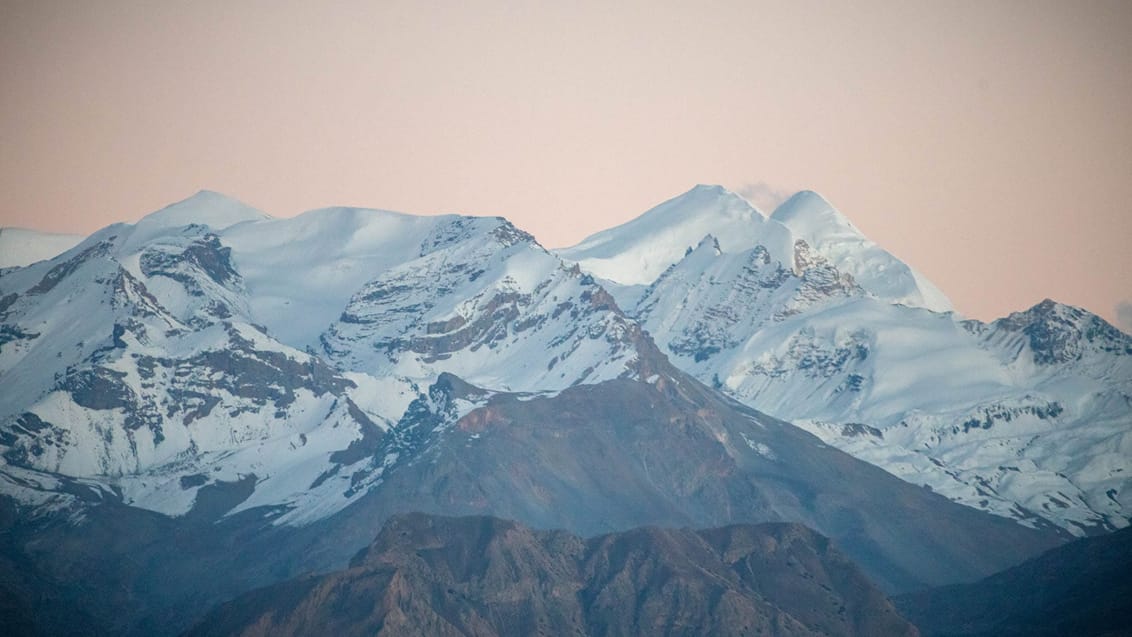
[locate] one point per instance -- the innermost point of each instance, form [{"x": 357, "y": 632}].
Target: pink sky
[{"x": 989, "y": 144}]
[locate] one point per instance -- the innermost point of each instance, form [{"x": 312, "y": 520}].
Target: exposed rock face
[
  {"x": 426, "y": 575},
  {"x": 593, "y": 459},
  {"x": 1082, "y": 589},
  {"x": 621, "y": 454},
  {"x": 484, "y": 301},
  {"x": 1056, "y": 334}
]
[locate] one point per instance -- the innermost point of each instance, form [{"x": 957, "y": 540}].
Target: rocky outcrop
[
  {"x": 427, "y": 575},
  {"x": 670, "y": 452}
]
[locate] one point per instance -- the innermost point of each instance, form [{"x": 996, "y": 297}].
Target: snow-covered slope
[
  {"x": 211, "y": 349},
  {"x": 638, "y": 251},
  {"x": 140, "y": 371},
  {"x": 483, "y": 301},
  {"x": 20, "y": 247},
  {"x": 281, "y": 386},
  {"x": 1028, "y": 417},
  {"x": 812, "y": 219},
  {"x": 211, "y": 353},
  {"x": 635, "y": 253}
]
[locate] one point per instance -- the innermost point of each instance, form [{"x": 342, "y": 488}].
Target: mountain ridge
[
  {"x": 288, "y": 385},
  {"x": 1082, "y": 588},
  {"x": 637, "y": 252},
  {"x": 798, "y": 336},
  {"x": 440, "y": 576},
  {"x": 166, "y": 305}
]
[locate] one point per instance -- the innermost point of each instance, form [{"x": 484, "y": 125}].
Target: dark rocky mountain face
[
  {"x": 621, "y": 454},
  {"x": 426, "y": 575},
  {"x": 592, "y": 459},
  {"x": 1082, "y": 589}
]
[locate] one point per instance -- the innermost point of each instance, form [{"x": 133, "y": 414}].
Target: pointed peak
[
  {"x": 811, "y": 197},
  {"x": 508, "y": 234},
  {"x": 1045, "y": 308},
  {"x": 206, "y": 207},
  {"x": 205, "y": 193},
  {"x": 708, "y": 243},
  {"x": 205, "y": 197},
  {"x": 1060, "y": 333},
  {"x": 713, "y": 201},
  {"x": 638, "y": 251},
  {"x": 807, "y": 210},
  {"x": 708, "y": 189},
  {"x": 709, "y": 239},
  {"x": 717, "y": 193},
  {"x": 1045, "y": 311}
]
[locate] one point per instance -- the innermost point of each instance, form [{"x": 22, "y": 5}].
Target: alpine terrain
[
  {"x": 212, "y": 400},
  {"x": 1083, "y": 588},
  {"x": 800, "y": 316},
  {"x": 459, "y": 576}
]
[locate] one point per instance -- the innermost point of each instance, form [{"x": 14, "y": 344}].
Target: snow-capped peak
[
  {"x": 814, "y": 220},
  {"x": 1055, "y": 333},
  {"x": 195, "y": 347},
  {"x": 808, "y": 215},
  {"x": 207, "y": 207},
  {"x": 637, "y": 252},
  {"x": 708, "y": 242},
  {"x": 209, "y": 344}
]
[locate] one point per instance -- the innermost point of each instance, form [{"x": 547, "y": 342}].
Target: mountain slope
[
  {"x": 160, "y": 359},
  {"x": 164, "y": 385},
  {"x": 441, "y": 576},
  {"x": 624, "y": 453},
  {"x": 1028, "y": 417},
  {"x": 490, "y": 305},
  {"x": 1083, "y": 588},
  {"x": 591, "y": 458},
  {"x": 812, "y": 219},
  {"x": 249, "y": 398},
  {"x": 636, "y": 253}
]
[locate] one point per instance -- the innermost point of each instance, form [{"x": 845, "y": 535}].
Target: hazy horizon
[{"x": 988, "y": 145}]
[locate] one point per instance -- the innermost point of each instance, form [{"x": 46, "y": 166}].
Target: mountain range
[
  {"x": 1083, "y": 588},
  {"x": 800, "y": 316},
  {"x": 424, "y": 575},
  {"x": 230, "y": 400}
]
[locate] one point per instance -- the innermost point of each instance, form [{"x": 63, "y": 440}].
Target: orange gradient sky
[{"x": 989, "y": 144}]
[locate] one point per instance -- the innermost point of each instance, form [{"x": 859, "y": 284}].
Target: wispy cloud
[{"x": 765, "y": 196}]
